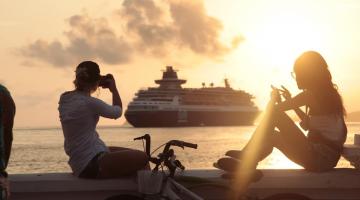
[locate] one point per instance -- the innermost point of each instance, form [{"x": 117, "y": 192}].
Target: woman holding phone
[{"x": 323, "y": 120}]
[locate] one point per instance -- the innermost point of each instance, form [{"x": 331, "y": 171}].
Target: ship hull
[{"x": 189, "y": 118}]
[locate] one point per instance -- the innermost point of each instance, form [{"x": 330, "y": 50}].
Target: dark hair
[
  {"x": 313, "y": 69},
  {"x": 87, "y": 76}
]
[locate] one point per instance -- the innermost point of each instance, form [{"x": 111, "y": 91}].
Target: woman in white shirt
[
  {"x": 89, "y": 157},
  {"x": 321, "y": 148}
]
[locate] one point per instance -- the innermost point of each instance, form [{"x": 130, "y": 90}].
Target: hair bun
[
  {"x": 87, "y": 76},
  {"x": 88, "y": 71},
  {"x": 82, "y": 73}
]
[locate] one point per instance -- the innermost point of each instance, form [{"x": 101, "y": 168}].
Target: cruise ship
[{"x": 171, "y": 105}]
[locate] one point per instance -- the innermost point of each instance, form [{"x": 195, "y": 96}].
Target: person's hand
[
  {"x": 285, "y": 93},
  {"x": 4, "y": 183},
  {"x": 109, "y": 83},
  {"x": 275, "y": 94}
]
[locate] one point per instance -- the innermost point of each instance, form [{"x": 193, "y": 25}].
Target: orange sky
[{"x": 251, "y": 42}]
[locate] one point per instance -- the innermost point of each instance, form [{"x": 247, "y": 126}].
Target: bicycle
[
  {"x": 160, "y": 185},
  {"x": 165, "y": 187}
]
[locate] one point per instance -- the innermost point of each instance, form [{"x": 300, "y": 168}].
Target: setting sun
[{"x": 281, "y": 37}]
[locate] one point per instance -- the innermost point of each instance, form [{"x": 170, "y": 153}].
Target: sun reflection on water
[{"x": 36, "y": 151}]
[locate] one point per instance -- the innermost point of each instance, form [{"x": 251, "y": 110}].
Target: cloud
[
  {"x": 197, "y": 30},
  {"x": 152, "y": 28},
  {"x": 88, "y": 38}
]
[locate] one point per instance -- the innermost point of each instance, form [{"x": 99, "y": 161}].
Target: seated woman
[
  {"x": 89, "y": 157},
  {"x": 324, "y": 119}
]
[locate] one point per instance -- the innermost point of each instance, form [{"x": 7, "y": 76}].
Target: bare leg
[
  {"x": 259, "y": 146},
  {"x": 123, "y": 149},
  {"x": 122, "y": 162},
  {"x": 232, "y": 163},
  {"x": 261, "y": 142},
  {"x": 289, "y": 139},
  {"x": 292, "y": 142},
  {"x": 114, "y": 149}
]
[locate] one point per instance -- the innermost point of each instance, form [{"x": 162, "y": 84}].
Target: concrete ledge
[
  {"x": 339, "y": 184},
  {"x": 66, "y": 182},
  {"x": 59, "y": 186},
  {"x": 336, "y": 184},
  {"x": 337, "y": 178}
]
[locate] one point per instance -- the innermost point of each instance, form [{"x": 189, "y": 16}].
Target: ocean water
[{"x": 41, "y": 150}]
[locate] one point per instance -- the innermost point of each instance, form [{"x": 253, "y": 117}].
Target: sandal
[{"x": 228, "y": 164}]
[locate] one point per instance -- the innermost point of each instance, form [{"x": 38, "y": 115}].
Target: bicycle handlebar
[
  {"x": 178, "y": 143},
  {"x": 147, "y": 139},
  {"x": 167, "y": 154},
  {"x": 190, "y": 145},
  {"x": 182, "y": 144}
]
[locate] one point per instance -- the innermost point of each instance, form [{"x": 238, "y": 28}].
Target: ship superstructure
[{"x": 172, "y": 105}]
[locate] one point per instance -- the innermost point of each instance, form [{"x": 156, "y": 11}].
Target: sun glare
[
  {"x": 280, "y": 38},
  {"x": 277, "y": 160}
]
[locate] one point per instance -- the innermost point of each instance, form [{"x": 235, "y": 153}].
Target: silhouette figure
[
  {"x": 79, "y": 115},
  {"x": 7, "y": 114},
  {"x": 323, "y": 119}
]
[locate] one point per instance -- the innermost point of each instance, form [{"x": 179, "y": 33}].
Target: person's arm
[
  {"x": 116, "y": 100},
  {"x": 103, "y": 109},
  {"x": 8, "y": 122},
  {"x": 287, "y": 95},
  {"x": 295, "y": 104},
  {"x": 301, "y": 114},
  {"x": 8, "y": 113}
]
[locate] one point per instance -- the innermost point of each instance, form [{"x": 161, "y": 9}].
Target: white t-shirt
[
  {"x": 79, "y": 115},
  {"x": 329, "y": 126}
]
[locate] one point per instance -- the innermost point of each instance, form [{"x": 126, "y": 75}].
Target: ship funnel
[
  {"x": 169, "y": 73},
  {"x": 170, "y": 79},
  {"x": 227, "y": 85}
]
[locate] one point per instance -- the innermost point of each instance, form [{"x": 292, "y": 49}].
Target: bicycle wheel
[
  {"x": 124, "y": 197},
  {"x": 287, "y": 196}
]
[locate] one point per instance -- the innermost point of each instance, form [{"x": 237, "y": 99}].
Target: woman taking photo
[
  {"x": 89, "y": 157},
  {"x": 323, "y": 118}
]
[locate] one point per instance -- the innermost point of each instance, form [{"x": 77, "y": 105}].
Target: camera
[{"x": 104, "y": 80}]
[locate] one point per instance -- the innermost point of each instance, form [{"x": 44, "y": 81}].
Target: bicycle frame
[{"x": 171, "y": 189}]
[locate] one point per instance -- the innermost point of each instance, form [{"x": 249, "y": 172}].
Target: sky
[{"x": 253, "y": 43}]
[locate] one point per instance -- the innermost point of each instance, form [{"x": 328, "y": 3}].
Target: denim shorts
[
  {"x": 92, "y": 169},
  {"x": 322, "y": 157},
  {"x": 325, "y": 154}
]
